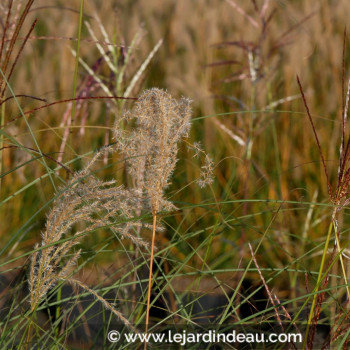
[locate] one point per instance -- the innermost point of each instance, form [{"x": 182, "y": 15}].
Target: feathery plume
[
  {"x": 151, "y": 147},
  {"x": 85, "y": 199}
]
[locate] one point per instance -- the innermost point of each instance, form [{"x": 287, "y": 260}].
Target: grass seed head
[
  {"x": 151, "y": 147},
  {"x": 90, "y": 201}
]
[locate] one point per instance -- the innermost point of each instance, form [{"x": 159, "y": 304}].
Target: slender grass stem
[
  {"x": 75, "y": 83},
  {"x": 319, "y": 278},
  {"x": 341, "y": 261},
  {"x": 2, "y": 111},
  {"x": 150, "y": 273},
  {"x": 29, "y": 327},
  {"x": 28, "y": 334},
  {"x": 75, "y": 78},
  {"x": 29, "y": 128}
]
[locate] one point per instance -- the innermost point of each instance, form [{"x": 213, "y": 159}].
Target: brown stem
[{"x": 150, "y": 273}]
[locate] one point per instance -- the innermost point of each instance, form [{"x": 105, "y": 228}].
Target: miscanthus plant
[
  {"x": 149, "y": 142},
  {"x": 160, "y": 121}
]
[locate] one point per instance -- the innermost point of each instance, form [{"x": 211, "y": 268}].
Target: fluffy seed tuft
[{"x": 151, "y": 147}]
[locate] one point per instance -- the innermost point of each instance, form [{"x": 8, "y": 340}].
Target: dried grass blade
[
  {"x": 100, "y": 48},
  {"x": 144, "y": 65},
  {"x": 243, "y": 13},
  {"x": 316, "y": 137},
  {"x": 15, "y": 35},
  {"x": 104, "y": 302},
  {"x": 103, "y": 86},
  {"x": 266, "y": 286},
  {"x": 19, "y": 53},
  {"x": 343, "y": 93},
  {"x": 7, "y": 24}
]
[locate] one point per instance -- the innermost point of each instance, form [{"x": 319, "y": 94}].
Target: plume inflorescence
[
  {"x": 90, "y": 201},
  {"x": 151, "y": 147}
]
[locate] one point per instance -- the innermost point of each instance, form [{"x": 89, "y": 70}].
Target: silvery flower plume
[
  {"x": 151, "y": 147},
  {"x": 87, "y": 200}
]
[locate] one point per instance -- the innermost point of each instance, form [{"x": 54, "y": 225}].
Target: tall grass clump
[
  {"x": 260, "y": 247},
  {"x": 339, "y": 197},
  {"x": 160, "y": 121}
]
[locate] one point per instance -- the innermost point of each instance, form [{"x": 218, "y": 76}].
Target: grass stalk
[
  {"x": 75, "y": 83},
  {"x": 150, "y": 273},
  {"x": 342, "y": 262},
  {"x": 2, "y": 112},
  {"x": 75, "y": 78},
  {"x": 29, "y": 128},
  {"x": 319, "y": 277}
]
